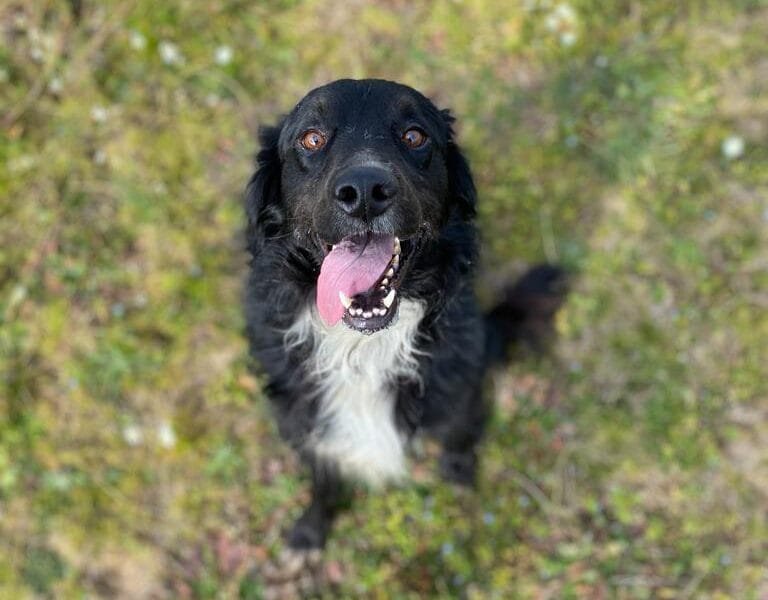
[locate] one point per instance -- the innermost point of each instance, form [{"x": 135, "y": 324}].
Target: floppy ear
[
  {"x": 461, "y": 186},
  {"x": 262, "y": 195}
]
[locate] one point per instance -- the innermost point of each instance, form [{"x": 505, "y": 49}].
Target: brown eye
[
  {"x": 312, "y": 140},
  {"x": 414, "y": 138}
]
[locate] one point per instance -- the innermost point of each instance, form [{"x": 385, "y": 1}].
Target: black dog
[{"x": 360, "y": 305}]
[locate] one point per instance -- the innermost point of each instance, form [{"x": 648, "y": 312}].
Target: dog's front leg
[
  {"x": 298, "y": 571},
  {"x": 329, "y": 495}
]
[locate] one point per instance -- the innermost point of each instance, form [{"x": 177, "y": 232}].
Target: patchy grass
[{"x": 625, "y": 140}]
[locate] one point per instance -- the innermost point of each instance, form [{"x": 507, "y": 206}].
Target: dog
[{"x": 360, "y": 304}]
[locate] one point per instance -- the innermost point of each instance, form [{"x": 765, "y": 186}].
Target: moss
[{"x": 627, "y": 465}]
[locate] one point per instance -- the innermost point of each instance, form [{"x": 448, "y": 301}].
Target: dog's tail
[{"x": 525, "y": 315}]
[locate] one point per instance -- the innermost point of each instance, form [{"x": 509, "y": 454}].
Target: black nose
[{"x": 365, "y": 192}]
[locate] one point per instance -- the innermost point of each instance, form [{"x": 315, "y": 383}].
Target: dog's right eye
[{"x": 312, "y": 140}]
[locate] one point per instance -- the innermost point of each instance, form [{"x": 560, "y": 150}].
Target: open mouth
[{"x": 358, "y": 282}]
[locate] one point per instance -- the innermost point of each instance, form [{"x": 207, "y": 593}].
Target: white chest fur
[{"x": 354, "y": 373}]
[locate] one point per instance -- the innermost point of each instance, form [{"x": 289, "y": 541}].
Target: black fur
[{"x": 291, "y": 215}]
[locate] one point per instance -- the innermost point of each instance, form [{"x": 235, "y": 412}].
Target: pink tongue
[{"x": 353, "y": 266}]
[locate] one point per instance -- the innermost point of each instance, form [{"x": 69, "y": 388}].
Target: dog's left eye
[
  {"x": 312, "y": 140},
  {"x": 414, "y": 138}
]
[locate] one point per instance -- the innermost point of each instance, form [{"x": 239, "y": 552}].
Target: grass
[{"x": 625, "y": 140}]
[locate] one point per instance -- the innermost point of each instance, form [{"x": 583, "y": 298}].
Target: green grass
[{"x": 136, "y": 455}]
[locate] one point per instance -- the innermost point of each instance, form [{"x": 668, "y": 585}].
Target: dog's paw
[
  {"x": 459, "y": 467},
  {"x": 293, "y": 574},
  {"x": 307, "y": 534}
]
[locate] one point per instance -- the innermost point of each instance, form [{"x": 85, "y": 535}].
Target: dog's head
[{"x": 360, "y": 173}]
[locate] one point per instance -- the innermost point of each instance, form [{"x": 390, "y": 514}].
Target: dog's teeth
[
  {"x": 383, "y": 288},
  {"x": 396, "y": 261},
  {"x": 347, "y": 302},
  {"x": 389, "y": 298},
  {"x": 359, "y": 312},
  {"x": 391, "y": 273},
  {"x": 376, "y": 311},
  {"x": 367, "y": 314},
  {"x": 384, "y": 282},
  {"x": 397, "y": 245},
  {"x": 383, "y": 311}
]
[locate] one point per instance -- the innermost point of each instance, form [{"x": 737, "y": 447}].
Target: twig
[{"x": 547, "y": 235}]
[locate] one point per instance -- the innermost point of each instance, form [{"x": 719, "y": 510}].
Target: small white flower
[
  {"x": 568, "y": 38},
  {"x": 565, "y": 12},
  {"x": 170, "y": 53},
  {"x": 732, "y": 147},
  {"x": 55, "y": 85},
  {"x": 137, "y": 40},
  {"x": 601, "y": 61},
  {"x": 4, "y": 75},
  {"x": 40, "y": 44},
  {"x": 36, "y": 53},
  {"x": 551, "y": 22},
  {"x": 100, "y": 158},
  {"x": 165, "y": 435},
  {"x": 223, "y": 55},
  {"x": 99, "y": 114},
  {"x": 133, "y": 435},
  {"x": 18, "y": 294},
  {"x": 563, "y": 21},
  {"x": 560, "y": 17}
]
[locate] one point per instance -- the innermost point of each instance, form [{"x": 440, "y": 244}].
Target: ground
[{"x": 625, "y": 140}]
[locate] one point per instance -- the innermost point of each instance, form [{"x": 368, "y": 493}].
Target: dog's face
[
  {"x": 359, "y": 172},
  {"x": 364, "y": 156}
]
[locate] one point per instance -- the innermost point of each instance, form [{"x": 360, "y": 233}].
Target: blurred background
[{"x": 627, "y": 140}]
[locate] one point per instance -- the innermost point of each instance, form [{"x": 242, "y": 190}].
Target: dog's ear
[
  {"x": 262, "y": 195},
  {"x": 460, "y": 183}
]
